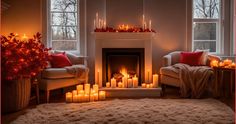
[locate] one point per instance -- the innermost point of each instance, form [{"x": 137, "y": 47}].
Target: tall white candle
[
  {"x": 74, "y": 92},
  {"x": 113, "y": 83},
  {"x": 150, "y": 25},
  {"x": 87, "y": 88},
  {"x": 95, "y": 88},
  {"x": 124, "y": 81},
  {"x": 135, "y": 81},
  {"x": 130, "y": 83},
  {"x": 94, "y": 24},
  {"x": 145, "y": 25},
  {"x": 143, "y": 21},
  {"x": 155, "y": 80},
  {"x": 97, "y": 20},
  {"x": 79, "y": 88}
]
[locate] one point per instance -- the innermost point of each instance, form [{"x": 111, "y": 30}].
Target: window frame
[
  {"x": 218, "y": 22},
  {"x": 49, "y": 27}
]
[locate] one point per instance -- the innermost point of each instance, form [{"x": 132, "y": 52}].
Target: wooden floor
[{"x": 58, "y": 96}]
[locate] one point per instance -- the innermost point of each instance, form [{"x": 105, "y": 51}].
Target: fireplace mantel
[{"x": 123, "y": 40}]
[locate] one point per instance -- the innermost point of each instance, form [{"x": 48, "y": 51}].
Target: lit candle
[
  {"x": 113, "y": 83},
  {"x": 143, "y": 85},
  {"x": 151, "y": 85},
  {"x": 135, "y": 82},
  {"x": 80, "y": 97},
  {"x": 86, "y": 98},
  {"x": 74, "y": 92},
  {"x": 87, "y": 88},
  {"x": 148, "y": 76},
  {"x": 102, "y": 95},
  {"x": 130, "y": 83},
  {"x": 81, "y": 92},
  {"x": 145, "y": 25},
  {"x": 143, "y": 21},
  {"x": 95, "y": 96},
  {"x": 148, "y": 86},
  {"x": 96, "y": 19},
  {"x": 79, "y": 88},
  {"x": 75, "y": 98},
  {"x": 95, "y": 88},
  {"x": 91, "y": 97},
  {"x": 227, "y": 62},
  {"x": 108, "y": 84},
  {"x": 124, "y": 81},
  {"x": 98, "y": 77},
  {"x": 68, "y": 97},
  {"x": 120, "y": 85},
  {"x": 24, "y": 38},
  {"x": 105, "y": 25},
  {"x": 99, "y": 23},
  {"x": 150, "y": 25},
  {"x": 155, "y": 80},
  {"x": 214, "y": 63},
  {"x": 94, "y": 24}
]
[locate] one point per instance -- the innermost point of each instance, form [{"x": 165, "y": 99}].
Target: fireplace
[{"x": 116, "y": 62}]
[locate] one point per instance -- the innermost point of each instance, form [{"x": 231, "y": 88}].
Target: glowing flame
[{"x": 123, "y": 71}]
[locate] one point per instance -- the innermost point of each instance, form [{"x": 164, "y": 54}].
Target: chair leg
[
  {"x": 47, "y": 92},
  {"x": 163, "y": 86}
]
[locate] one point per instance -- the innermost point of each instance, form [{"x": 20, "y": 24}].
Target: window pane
[
  {"x": 64, "y": 45},
  {"x": 204, "y": 31},
  {"x": 211, "y": 45},
  {"x": 64, "y": 5},
  {"x": 64, "y": 18},
  {"x": 64, "y": 33},
  {"x": 206, "y": 8}
]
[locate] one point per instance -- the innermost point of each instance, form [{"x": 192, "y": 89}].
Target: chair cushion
[
  {"x": 55, "y": 73},
  {"x": 170, "y": 81},
  {"x": 170, "y": 71},
  {"x": 191, "y": 58},
  {"x": 60, "y": 60}
]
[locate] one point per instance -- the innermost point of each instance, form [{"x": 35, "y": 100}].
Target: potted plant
[{"x": 21, "y": 58}]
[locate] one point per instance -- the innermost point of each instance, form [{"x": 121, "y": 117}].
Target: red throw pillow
[
  {"x": 191, "y": 58},
  {"x": 60, "y": 60}
]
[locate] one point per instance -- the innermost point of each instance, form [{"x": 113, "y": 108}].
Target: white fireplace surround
[{"x": 123, "y": 40}]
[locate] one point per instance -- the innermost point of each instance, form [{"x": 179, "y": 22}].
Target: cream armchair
[
  {"x": 56, "y": 78},
  {"x": 170, "y": 77}
]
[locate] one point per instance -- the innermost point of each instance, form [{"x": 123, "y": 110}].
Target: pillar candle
[
  {"x": 81, "y": 92},
  {"x": 143, "y": 21},
  {"x": 108, "y": 85},
  {"x": 68, "y": 97},
  {"x": 87, "y": 88},
  {"x": 96, "y": 19},
  {"x": 143, "y": 85},
  {"x": 74, "y": 92},
  {"x": 124, "y": 81},
  {"x": 148, "y": 86},
  {"x": 113, "y": 83},
  {"x": 75, "y": 98},
  {"x": 148, "y": 76},
  {"x": 155, "y": 80},
  {"x": 95, "y": 96},
  {"x": 151, "y": 85},
  {"x": 95, "y": 88},
  {"x": 94, "y": 24},
  {"x": 102, "y": 95},
  {"x": 120, "y": 85},
  {"x": 91, "y": 98},
  {"x": 80, "y": 97},
  {"x": 79, "y": 88},
  {"x": 130, "y": 83},
  {"x": 98, "y": 77},
  {"x": 86, "y": 97},
  {"x": 135, "y": 81}
]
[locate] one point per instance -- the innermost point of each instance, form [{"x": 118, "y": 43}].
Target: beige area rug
[{"x": 131, "y": 111}]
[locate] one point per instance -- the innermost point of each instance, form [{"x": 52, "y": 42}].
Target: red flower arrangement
[{"x": 22, "y": 57}]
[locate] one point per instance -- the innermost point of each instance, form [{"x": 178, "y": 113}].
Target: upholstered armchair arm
[
  {"x": 211, "y": 57},
  {"x": 166, "y": 60}
]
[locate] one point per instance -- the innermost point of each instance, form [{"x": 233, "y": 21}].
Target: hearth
[{"x": 120, "y": 62}]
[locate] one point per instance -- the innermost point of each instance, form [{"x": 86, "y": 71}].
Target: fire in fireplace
[{"x": 120, "y": 62}]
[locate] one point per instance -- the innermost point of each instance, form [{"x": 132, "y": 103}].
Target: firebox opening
[{"x": 119, "y": 62}]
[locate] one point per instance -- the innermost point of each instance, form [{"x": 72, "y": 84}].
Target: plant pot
[{"x": 15, "y": 94}]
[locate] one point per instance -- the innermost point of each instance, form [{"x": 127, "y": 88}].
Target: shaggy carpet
[{"x": 131, "y": 111}]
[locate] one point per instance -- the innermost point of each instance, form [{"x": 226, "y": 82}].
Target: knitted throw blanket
[{"x": 77, "y": 70}]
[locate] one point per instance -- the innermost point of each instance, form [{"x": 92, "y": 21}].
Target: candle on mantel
[
  {"x": 143, "y": 21},
  {"x": 79, "y": 88},
  {"x": 155, "y": 80},
  {"x": 113, "y": 83},
  {"x": 87, "y": 88},
  {"x": 95, "y": 88},
  {"x": 130, "y": 82},
  {"x": 151, "y": 85},
  {"x": 147, "y": 85},
  {"x": 148, "y": 76},
  {"x": 135, "y": 82},
  {"x": 108, "y": 85},
  {"x": 124, "y": 81},
  {"x": 68, "y": 97},
  {"x": 102, "y": 95},
  {"x": 96, "y": 19},
  {"x": 120, "y": 85},
  {"x": 143, "y": 85},
  {"x": 150, "y": 25}
]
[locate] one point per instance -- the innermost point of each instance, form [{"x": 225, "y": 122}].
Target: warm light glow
[
  {"x": 124, "y": 71},
  {"x": 214, "y": 63},
  {"x": 24, "y": 37}
]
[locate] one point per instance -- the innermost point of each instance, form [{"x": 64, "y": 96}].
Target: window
[
  {"x": 63, "y": 25},
  {"x": 206, "y": 25}
]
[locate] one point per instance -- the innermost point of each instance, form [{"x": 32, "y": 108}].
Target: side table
[{"x": 224, "y": 81}]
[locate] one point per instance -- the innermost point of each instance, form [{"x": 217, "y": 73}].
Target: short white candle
[
  {"x": 81, "y": 92},
  {"x": 143, "y": 85},
  {"x": 74, "y": 92},
  {"x": 102, "y": 95},
  {"x": 79, "y": 88},
  {"x": 151, "y": 85},
  {"x": 113, "y": 83},
  {"x": 87, "y": 88},
  {"x": 147, "y": 85},
  {"x": 155, "y": 80},
  {"x": 120, "y": 85},
  {"x": 68, "y": 97},
  {"x": 108, "y": 85}
]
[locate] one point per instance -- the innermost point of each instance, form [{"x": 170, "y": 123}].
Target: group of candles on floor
[
  {"x": 83, "y": 93},
  {"x": 128, "y": 82},
  {"x": 225, "y": 63}
]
